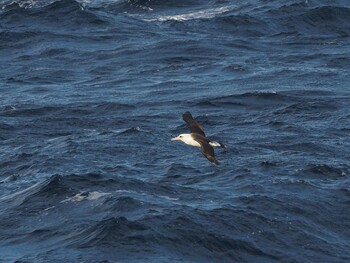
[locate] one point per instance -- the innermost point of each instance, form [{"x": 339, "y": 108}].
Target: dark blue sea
[{"x": 92, "y": 91}]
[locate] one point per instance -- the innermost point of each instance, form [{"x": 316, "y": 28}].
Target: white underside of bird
[{"x": 188, "y": 139}]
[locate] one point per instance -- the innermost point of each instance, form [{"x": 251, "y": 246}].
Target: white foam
[
  {"x": 206, "y": 14},
  {"x": 168, "y": 197},
  {"x": 85, "y": 196}
]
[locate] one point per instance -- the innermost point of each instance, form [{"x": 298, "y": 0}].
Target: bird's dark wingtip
[
  {"x": 187, "y": 114},
  {"x": 213, "y": 160}
]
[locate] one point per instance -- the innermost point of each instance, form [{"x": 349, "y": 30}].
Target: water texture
[{"x": 92, "y": 91}]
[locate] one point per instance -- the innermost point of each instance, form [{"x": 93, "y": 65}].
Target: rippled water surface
[{"x": 92, "y": 91}]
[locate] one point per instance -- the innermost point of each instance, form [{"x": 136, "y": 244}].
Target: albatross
[{"x": 197, "y": 138}]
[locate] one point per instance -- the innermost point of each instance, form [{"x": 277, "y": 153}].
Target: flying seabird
[{"x": 197, "y": 138}]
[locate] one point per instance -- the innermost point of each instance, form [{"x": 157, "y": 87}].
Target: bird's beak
[{"x": 175, "y": 139}]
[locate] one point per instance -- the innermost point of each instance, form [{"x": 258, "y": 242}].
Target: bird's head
[{"x": 182, "y": 137}]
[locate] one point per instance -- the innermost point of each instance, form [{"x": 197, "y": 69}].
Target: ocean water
[{"x": 92, "y": 91}]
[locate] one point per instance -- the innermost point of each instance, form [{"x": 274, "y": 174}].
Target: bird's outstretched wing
[
  {"x": 208, "y": 152},
  {"x": 192, "y": 123},
  {"x": 207, "y": 149}
]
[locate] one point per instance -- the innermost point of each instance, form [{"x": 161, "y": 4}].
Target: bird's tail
[{"x": 217, "y": 144}]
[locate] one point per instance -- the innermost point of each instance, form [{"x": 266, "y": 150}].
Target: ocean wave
[
  {"x": 325, "y": 171},
  {"x": 85, "y": 196},
  {"x": 63, "y": 112},
  {"x": 156, "y": 5},
  {"x": 92, "y": 91},
  {"x": 249, "y": 99},
  {"x": 327, "y": 17},
  {"x": 309, "y": 107},
  {"x": 132, "y": 130},
  {"x": 113, "y": 106},
  {"x": 293, "y": 20},
  {"x": 48, "y": 189},
  {"x": 32, "y": 4},
  {"x": 201, "y": 14},
  {"x": 25, "y": 3},
  {"x": 108, "y": 232},
  {"x": 63, "y": 12},
  {"x": 304, "y": 19}
]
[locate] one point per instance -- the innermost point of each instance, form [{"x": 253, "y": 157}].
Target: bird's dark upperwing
[
  {"x": 207, "y": 149},
  {"x": 194, "y": 126}
]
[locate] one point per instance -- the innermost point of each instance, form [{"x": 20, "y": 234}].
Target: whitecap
[
  {"x": 85, "y": 196},
  {"x": 201, "y": 14}
]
